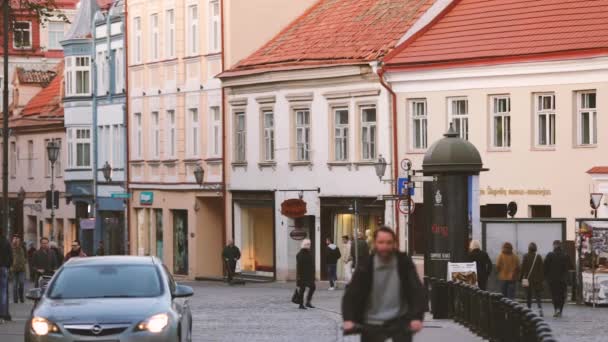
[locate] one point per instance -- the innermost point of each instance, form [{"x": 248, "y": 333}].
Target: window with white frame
[
  {"x": 119, "y": 72},
  {"x": 268, "y": 118},
  {"x": 117, "y": 137},
  {"x": 137, "y": 37},
  {"x": 30, "y": 158},
  {"x": 192, "y": 146},
  {"x": 154, "y": 37},
  {"x": 302, "y": 134},
  {"x": 56, "y": 31},
  {"x": 137, "y": 136},
  {"x": 192, "y": 31},
  {"x": 458, "y": 115},
  {"x": 78, "y": 76},
  {"x": 587, "y": 117},
  {"x": 13, "y": 159},
  {"x": 501, "y": 121},
  {"x": 341, "y": 132},
  {"x": 170, "y": 33},
  {"x": 214, "y": 26},
  {"x": 155, "y": 136},
  {"x": 102, "y": 73},
  {"x": 545, "y": 119},
  {"x": 240, "y": 137},
  {"x": 22, "y": 35},
  {"x": 216, "y": 131},
  {"x": 171, "y": 135},
  {"x": 79, "y": 147},
  {"x": 419, "y": 124},
  {"x": 368, "y": 132}
]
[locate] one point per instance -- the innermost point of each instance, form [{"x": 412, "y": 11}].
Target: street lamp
[
  {"x": 595, "y": 201},
  {"x": 380, "y": 167},
  {"x": 52, "y": 149},
  {"x": 21, "y": 194},
  {"x": 199, "y": 175},
  {"x": 107, "y": 171}
]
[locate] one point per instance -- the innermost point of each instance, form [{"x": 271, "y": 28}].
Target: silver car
[{"x": 111, "y": 299}]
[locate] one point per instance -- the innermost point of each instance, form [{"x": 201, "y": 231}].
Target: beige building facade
[{"x": 176, "y": 125}]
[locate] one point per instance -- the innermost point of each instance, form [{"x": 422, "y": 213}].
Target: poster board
[{"x": 465, "y": 272}]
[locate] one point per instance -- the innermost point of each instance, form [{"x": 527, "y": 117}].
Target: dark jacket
[
  {"x": 6, "y": 253},
  {"x": 536, "y": 275},
  {"x": 484, "y": 263},
  {"x": 231, "y": 253},
  {"x": 355, "y": 300},
  {"x": 58, "y": 255},
  {"x": 557, "y": 265},
  {"x": 45, "y": 259},
  {"x": 19, "y": 259},
  {"x": 305, "y": 268},
  {"x": 71, "y": 254},
  {"x": 363, "y": 251},
  {"x": 333, "y": 254}
]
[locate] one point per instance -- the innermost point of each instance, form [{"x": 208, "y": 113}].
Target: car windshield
[{"x": 106, "y": 281}]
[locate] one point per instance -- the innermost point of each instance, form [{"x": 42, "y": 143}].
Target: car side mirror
[
  {"x": 34, "y": 294},
  {"x": 182, "y": 291}
]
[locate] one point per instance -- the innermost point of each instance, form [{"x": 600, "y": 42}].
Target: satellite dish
[{"x": 512, "y": 209}]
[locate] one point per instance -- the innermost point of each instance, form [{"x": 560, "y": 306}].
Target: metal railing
[{"x": 489, "y": 315}]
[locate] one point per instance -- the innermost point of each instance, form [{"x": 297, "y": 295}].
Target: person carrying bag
[{"x": 532, "y": 267}]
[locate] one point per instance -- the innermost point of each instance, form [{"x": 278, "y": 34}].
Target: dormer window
[
  {"x": 77, "y": 76},
  {"x": 22, "y": 35}
]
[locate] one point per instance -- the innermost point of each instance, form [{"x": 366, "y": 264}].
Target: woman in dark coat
[
  {"x": 483, "y": 261},
  {"x": 532, "y": 269},
  {"x": 305, "y": 274}
]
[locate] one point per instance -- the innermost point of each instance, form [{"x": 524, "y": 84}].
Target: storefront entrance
[{"x": 180, "y": 242}]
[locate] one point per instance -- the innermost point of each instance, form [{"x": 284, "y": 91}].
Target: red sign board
[{"x": 293, "y": 208}]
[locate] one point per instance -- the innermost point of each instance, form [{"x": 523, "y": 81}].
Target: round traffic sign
[
  {"x": 402, "y": 204},
  {"x": 406, "y": 164}
]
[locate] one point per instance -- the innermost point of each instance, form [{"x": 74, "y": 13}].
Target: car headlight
[
  {"x": 42, "y": 326},
  {"x": 154, "y": 324}
]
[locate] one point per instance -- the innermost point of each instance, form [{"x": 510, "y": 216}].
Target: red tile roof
[
  {"x": 337, "y": 32},
  {"x": 35, "y": 76},
  {"x": 486, "y": 30},
  {"x": 598, "y": 170},
  {"x": 105, "y": 4},
  {"x": 48, "y": 101}
]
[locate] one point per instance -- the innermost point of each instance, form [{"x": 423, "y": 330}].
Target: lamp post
[
  {"x": 107, "y": 171},
  {"x": 52, "y": 149},
  {"x": 199, "y": 175},
  {"x": 595, "y": 201},
  {"x": 380, "y": 167}
]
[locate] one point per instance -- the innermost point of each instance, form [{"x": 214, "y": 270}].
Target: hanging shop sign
[
  {"x": 146, "y": 198},
  {"x": 298, "y": 234},
  {"x": 293, "y": 208}
]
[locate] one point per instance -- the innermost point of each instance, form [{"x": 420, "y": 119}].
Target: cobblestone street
[{"x": 579, "y": 323}]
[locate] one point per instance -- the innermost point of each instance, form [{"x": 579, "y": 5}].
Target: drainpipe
[
  {"x": 223, "y": 109},
  {"x": 94, "y": 108},
  {"x": 125, "y": 62},
  {"x": 394, "y": 147},
  {"x": 109, "y": 55}
]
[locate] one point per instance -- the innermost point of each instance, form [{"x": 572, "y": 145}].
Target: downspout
[
  {"x": 125, "y": 31},
  {"x": 97, "y": 234},
  {"x": 223, "y": 109},
  {"x": 394, "y": 144}
]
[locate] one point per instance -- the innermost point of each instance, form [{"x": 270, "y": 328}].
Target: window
[
  {"x": 137, "y": 37},
  {"x": 240, "y": 137},
  {"x": 458, "y": 115},
  {"x": 58, "y": 163},
  {"x": 171, "y": 134},
  {"x": 138, "y": 143},
  {"x": 13, "y": 159},
  {"x": 56, "y": 31},
  {"x": 170, "y": 32},
  {"x": 216, "y": 131},
  {"x": 30, "y": 159},
  {"x": 302, "y": 135},
  {"x": 155, "y": 138},
  {"x": 78, "y": 76},
  {"x": 22, "y": 35},
  {"x": 79, "y": 147},
  {"x": 587, "y": 118},
  {"x": 341, "y": 134},
  {"x": 419, "y": 119},
  {"x": 368, "y": 132},
  {"x": 119, "y": 72},
  {"x": 214, "y": 29},
  {"x": 268, "y": 117},
  {"x": 501, "y": 121},
  {"x": 102, "y": 73},
  {"x": 193, "y": 132},
  {"x": 543, "y": 211},
  {"x": 545, "y": 119},
  {"x": 192, "y": 29},
  {"x": 154, "y": 44}
]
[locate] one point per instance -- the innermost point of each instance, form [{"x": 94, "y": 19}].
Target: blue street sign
[{"x": 402, "y": 184}]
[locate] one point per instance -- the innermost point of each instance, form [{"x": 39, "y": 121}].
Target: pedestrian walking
[
  {"x": 45, "y": 260},
  {"x": 359, "y": 248},
  {"x": 6, "y": 260},
  {"x": 557, "y": 265},
  {"x": 18, "y": 269},
  {"x": 332, "y": 256},
  {"x": 30, "y": 260},
  {"x": 385, "y": 292},
  {"x": 305, "y": 267},
  {"x": 75, "y": 252},
  {"x": 532, "y": 276},
  {"x": 507, "y": 266},
  {"x": 347, "y": 259},
  {"x": 231, "y": 255},
  {"x": 484, "y": 264}
]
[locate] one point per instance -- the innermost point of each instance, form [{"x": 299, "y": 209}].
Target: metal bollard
[{"x": 496, "y": 317}]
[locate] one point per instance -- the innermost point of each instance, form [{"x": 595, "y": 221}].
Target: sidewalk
[{"x": 13, "y": 331}]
